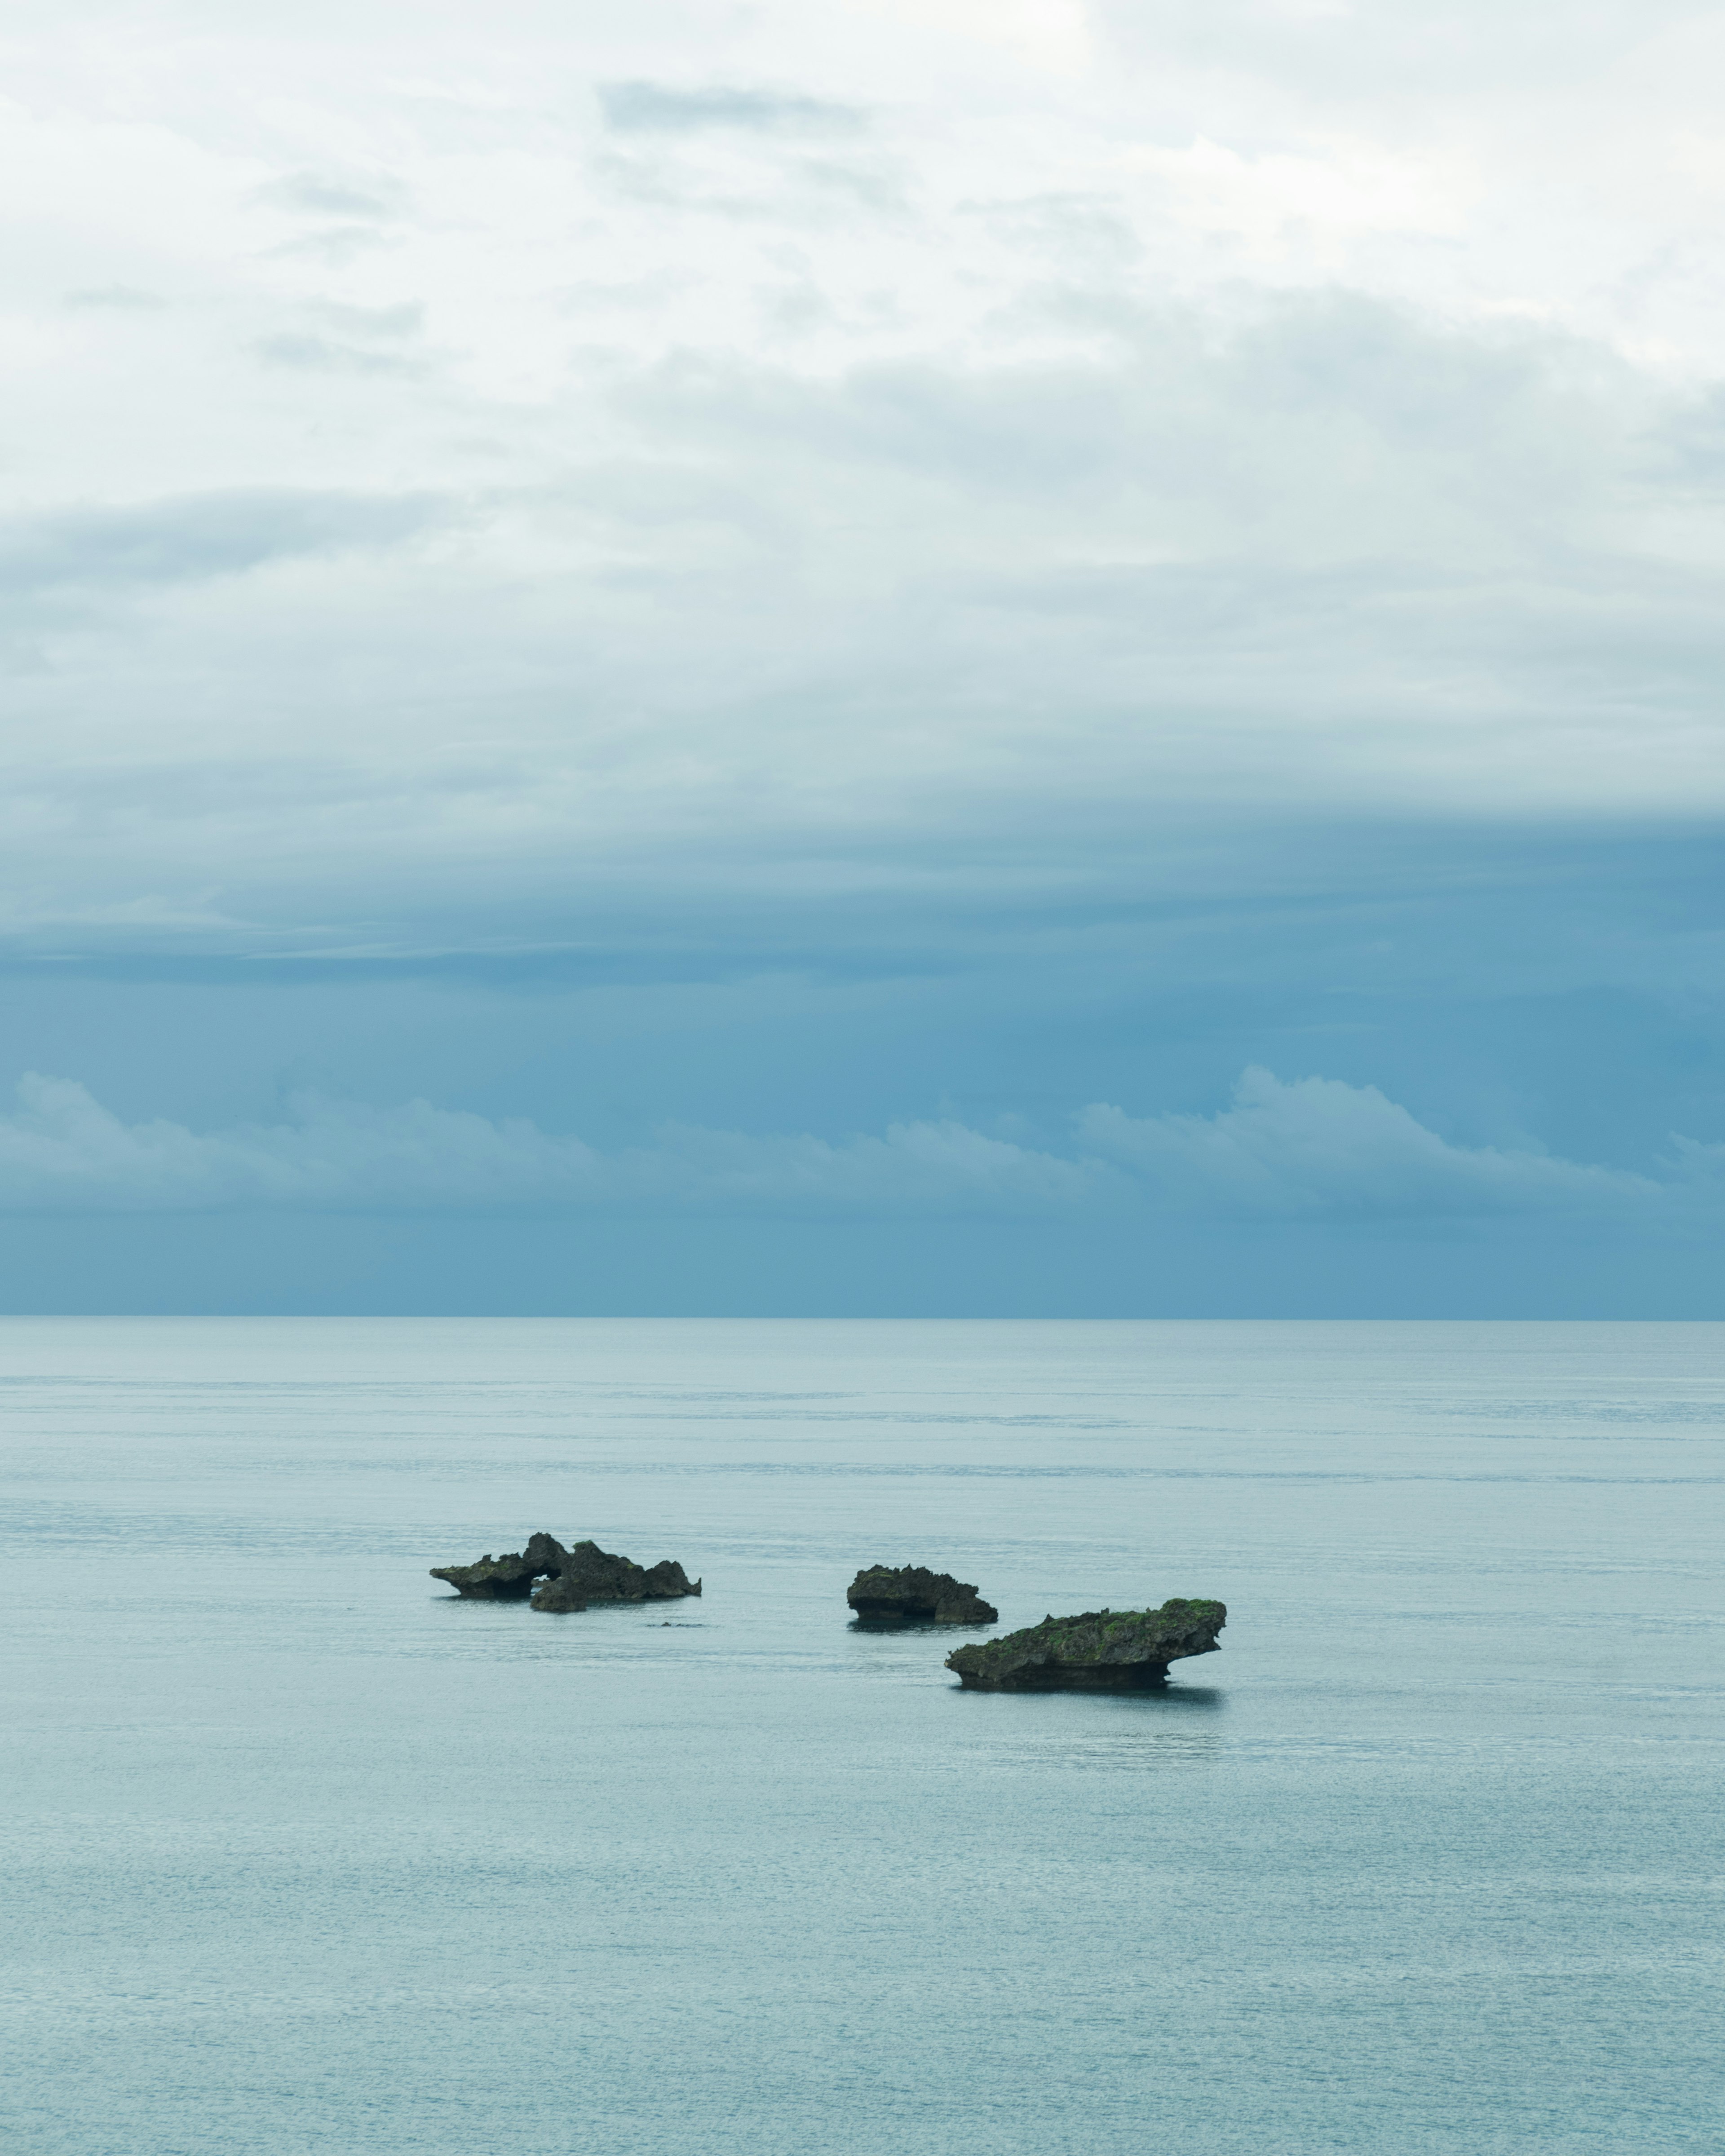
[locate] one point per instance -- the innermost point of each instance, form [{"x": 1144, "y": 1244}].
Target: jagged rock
[
  {"x": 1102, "y": 1651},
  {"x": 589, "y": 1574},
  {"x": 913, "y": 1595},
  {"x": 505, "y": 1578},
  {"x": 572, "y": 1578},
  {"x": 560, "y": 1594}
]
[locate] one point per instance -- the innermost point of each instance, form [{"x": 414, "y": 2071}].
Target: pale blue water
[{"x": 302, "y": 1855}]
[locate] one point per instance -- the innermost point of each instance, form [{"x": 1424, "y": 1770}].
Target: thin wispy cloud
[
  {"x": 314, "y": 194},
  {"x": 198, "y": 536},
  {"x": 318, "y": 354},
  {"x": 128, "y": 298},
  {"x": 655, "y": 108}
]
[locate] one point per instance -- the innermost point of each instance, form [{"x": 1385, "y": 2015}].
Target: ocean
[{"x": 303, "y": 1854}]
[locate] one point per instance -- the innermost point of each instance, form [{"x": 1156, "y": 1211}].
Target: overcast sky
[{"x": 984, "y": 654}]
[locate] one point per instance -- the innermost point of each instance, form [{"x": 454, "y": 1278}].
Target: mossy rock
[{"x": 1101, "y": 1650}]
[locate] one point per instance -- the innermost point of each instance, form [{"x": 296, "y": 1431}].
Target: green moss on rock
[{"x": 1101, "y": 1650}]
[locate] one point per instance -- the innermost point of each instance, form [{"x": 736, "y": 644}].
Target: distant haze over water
[{"x": 304, "y": 1855}]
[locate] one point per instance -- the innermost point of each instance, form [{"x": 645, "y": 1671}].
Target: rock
[
  {"x": 505, "y": 1578},
  {"x": 573, "y": 1578},
  {"x": 560, "y": 1594},
  {"x": 913, "y": 1595},
  {"x": 590, "y": 1574},
  {"x": 1102, "y": 1651}
]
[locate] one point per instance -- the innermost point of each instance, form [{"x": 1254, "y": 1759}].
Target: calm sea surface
[{"x": 302, "y": 1854}]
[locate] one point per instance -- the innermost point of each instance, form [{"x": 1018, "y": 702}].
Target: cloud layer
[
  {"x": 189, "y": 541},
  {"x": 1314, "y": 1149},
  {"x": 469, "y": 476}
]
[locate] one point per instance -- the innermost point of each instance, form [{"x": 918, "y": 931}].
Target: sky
[{"x": 1027, "y": 659}]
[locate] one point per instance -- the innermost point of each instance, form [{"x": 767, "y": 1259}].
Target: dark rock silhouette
[
  {"x": 913, "y": 1595},
  {"x": 505, "y": 1578},
  {"x": 573, "y": 1578},
  {"x": 1102, "y": 1651},
  {"x": 590, "y": 1574}
]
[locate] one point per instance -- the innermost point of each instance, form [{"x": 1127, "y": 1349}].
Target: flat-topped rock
[
  {"x": 1102, "y": 1651},
  {"x": 590, "y": 1574},
  {"x": 505, "y": 1578},
  {"x": 572, "y": 1578},
  {"x": 912, "y": 1596}
]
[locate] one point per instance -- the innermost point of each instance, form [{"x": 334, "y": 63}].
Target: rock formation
[
  {"x": 913, "y": 1595},
  {"x": 590, "y": 1574},
  {"x": 505, "y": 1578},
  {"x": 572, "y": 1578},
  {"x": 1102, "y": 1651}
]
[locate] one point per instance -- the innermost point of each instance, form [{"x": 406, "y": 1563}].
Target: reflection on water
[
  {"x": 1170, "y": 1725},
  {"x": 1152, "y": 1698}
]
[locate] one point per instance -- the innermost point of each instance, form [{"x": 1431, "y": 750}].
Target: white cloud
[
  {"x": 63, "y": 1150},
  {"x": 880, "y": 431},
  {"x": 1315, "y": 1149}
]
